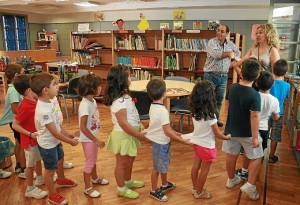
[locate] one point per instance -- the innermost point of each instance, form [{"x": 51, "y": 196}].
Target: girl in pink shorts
[{"x": 203, "y": 107}]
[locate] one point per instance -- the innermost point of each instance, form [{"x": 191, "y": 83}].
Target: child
[
  {"x": 243, "y": 124},
  {"x": 89, "y": 123},
  {"x": 280, "y": 90},
  {"x": 49, "y": 135},
  {"x": 269, "y": 108},
  {"x": 24, "y": 124},
  {"x": 12, "y": 100},
  {"x": 160, "y": 132},
  {"x": 124, "y": 139},
  {"x": 203, "y": 105}
]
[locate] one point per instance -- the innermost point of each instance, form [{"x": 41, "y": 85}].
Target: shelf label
[
  {"x": 139, "y": 31},
  {"x": 176, "y": 31},
  {"x": 192, "y": 31},
  {"x": 123, "y": 31}
]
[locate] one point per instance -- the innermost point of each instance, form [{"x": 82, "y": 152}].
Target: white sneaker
[
  {"x": 36, "y": 193},
  {"x": 232, "y": 182},
  {"x": 23, "y": 176},
  {"x": 68, "y": 165},
  {"x": 39, "y": 181},
  {"x": 251, "y": 192},
  {"x": 4, "y": 174}
]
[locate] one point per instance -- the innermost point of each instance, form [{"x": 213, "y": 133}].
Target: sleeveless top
[{"x": 264, "y": 59}]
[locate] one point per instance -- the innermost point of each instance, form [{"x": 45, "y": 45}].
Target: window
[{"x": 15, "y": 32}]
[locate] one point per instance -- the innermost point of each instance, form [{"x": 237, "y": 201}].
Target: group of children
[{"x": 42, "y": 131}]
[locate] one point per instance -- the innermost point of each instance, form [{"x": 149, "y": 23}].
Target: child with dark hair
[
  {"x": 24, "y": 124},
  {"x": 124, "y": 139},
  {"x": 12, "y": 101},
  {"x": 89, "y": 86},
  {"x": 203, "y": 107},
  {"x": 160, "y": 133},
  {"x": 280, "y": 90},
  {"x": 243, "y": 123},
  {"x": 50, "y": 135},
  {"x": 269, "y": 108}
]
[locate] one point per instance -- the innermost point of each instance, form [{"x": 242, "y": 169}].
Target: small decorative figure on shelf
[
  {"x": 143, "y": 25},
  {"x": 120, "y": 24}
]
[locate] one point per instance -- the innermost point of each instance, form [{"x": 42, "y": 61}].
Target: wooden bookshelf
[{"x": 41, "y": 45}]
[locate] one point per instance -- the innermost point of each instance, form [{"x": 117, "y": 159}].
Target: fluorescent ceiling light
[
  {"x": 283, "y": 11},
  {"x": 60, "y": 0},
  {"x": 85, "y": 4}
]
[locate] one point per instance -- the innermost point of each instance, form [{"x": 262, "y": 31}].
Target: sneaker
[
  {"x": 273, "y": 159},
  {"x": 158, "y": 195},
  {"x": 36, "y": 193},
  {"x": 68, "y": 165},
  {"x": 251, "y": 192},
  {"x": 135, "y": 184},
  {"x": 39, "y": 181},
  {"x": 23, "y": 176},
  {"x": 241, "y": 173},
  {"x": 55, "y": 177},
  {"x": 232, "y": 182},
  {"x": 169, "y": 186},
  {"x": 128, "y": 193},
  {"x": 57, "y": 199},
  {"x": 17, "y": 169},
  {"x": 4, "y": 174},
  {"x": 203, "y": 195},
  {"x": 65, "y": 183}
]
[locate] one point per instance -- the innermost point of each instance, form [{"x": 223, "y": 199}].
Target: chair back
[
  {"x": 73, "y": 85},
  {"x": 143, "y": 102},
  {"x": 178, "y": 78}
]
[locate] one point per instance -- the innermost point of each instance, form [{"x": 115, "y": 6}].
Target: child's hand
[
  {"x": 228, "y": 137},
  {"x": 100, "y": 143},
  {"x": 255, "y": 142},
  {"x": 71, "y": 136},
  {"x": 34, "y": 135},
  {"x": 73, "y": 142},
  {"x": 178, "y": 134},
  {"x": 77, "y": 134}
]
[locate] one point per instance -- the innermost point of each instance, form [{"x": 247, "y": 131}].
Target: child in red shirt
[{"x": 24, "y": 124}]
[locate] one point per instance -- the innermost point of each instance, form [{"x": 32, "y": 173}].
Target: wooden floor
[{"x": 283, "y": 186}]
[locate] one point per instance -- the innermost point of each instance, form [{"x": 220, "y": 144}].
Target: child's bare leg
[
  {"x": 87, "y": 180},
  {"x": 253, "y": 169},
  {"x": 94, "y": 174},
  {"x": 38, "y": 168},
  {"x": 230, "y": 165},
  {"x": 164, "y": 180},
  {"x": 29, "y": 176},
  {"x": 121, "y": 163},
  {"x": 60, "y": 169},
  {"x": 49, "y": 181},
  {"x": 273, "y": 148},
  {"x": 205, "y": 167},
  {"x": 195, "y": 172},
  {"x": 154, "y": 179},
  {"x": 22, "y": 158},
  {"x": 128, "y": 169},
  {"x": 17, "y": 151}
]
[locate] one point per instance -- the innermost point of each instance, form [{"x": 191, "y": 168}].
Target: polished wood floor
[{"x": 283, "y": 179}]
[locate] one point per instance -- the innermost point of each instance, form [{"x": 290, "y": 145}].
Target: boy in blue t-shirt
[{"x": 280, "y": 90}]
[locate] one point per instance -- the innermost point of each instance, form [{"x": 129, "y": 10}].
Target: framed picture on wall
[{"x": 42, "y": 36}]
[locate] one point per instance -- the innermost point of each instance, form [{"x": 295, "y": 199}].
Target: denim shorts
[
  {"x": 161, "y": 157},
  {"x": 52, "y": 156}
]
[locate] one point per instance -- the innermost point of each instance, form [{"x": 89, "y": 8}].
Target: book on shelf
[
  {"x": 185, "y": 44},
  {"x": 193, "y": 62},
  {"x": 131, "y": 42},
  {"x": 139, "y": 62},
  {"x": 83, "y": 58}
]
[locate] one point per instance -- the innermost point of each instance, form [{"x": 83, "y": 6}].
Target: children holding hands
[{"x": 160, "y": 133}]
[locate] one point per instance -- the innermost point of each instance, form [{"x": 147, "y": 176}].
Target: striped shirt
[{"x": 214, "y": 63}]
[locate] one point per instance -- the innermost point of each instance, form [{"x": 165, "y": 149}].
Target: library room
[{"x": 125, "y": 101}]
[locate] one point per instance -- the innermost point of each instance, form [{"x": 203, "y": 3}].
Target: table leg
[{"x": 167, "y": 103}]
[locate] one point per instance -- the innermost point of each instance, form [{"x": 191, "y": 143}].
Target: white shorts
[
  {"x": 234, "y": 145},
  {"x": 32, "y": 155}
]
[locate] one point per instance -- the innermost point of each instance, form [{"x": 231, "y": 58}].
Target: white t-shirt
[
  {"x": 203, "y": 134},
  {"x": 269, "y": 105},
  {"x": 90, "y": 109},
  {"x": 124, "y": 102},
  {"x": 44, "y": 114},
  {"x": 58, "y": 110},
  {"x": 159, "y": 116}
]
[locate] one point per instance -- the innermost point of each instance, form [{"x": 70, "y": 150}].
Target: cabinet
[
  {"x": 150, "y": 52},
  {"x": 42, "y": 44}
]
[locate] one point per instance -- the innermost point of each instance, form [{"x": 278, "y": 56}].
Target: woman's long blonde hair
[{"x": 272, "y": 35}]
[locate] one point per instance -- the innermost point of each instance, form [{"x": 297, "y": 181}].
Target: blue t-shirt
[
  {"x": 12, "y": 96},
  {"x": 281, "y": 91}
]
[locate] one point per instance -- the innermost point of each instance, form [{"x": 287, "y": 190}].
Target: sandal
[
  {"x": 100, "y": 182},
  {"x": 273, "y": 159},
  {"x": 93, "y": 194},
  {"x": 204, "y": 194}
]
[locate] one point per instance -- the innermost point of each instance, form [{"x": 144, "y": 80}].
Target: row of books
[
  {"x": 175, "y": 62},
  {"x": 80, "y": 42},
  {"x": 138, "y": 62},
  {"x": 131, "y": 42},
  {"x": 141, "y": 74},
  {"x": 86, "y": 59},
  {"x": 185, "y": 44}
]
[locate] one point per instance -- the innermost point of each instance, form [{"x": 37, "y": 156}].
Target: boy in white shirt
[
  {"x": 160, "y": 132},
  {"x": 49, "y": 135}
]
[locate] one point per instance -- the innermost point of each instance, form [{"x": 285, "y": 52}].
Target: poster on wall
[
  {"x": 213, "y": 24},
  {"x": 164, "y": 25},
  {"x": 179, "y": 15},
  {"x": 83, "y": 27},
  {"x": 178, "y": 25},
  {"x": 98, "y": 16},
  {"x": 197, "y": 25},
  {"x": 254, "y": 29}
]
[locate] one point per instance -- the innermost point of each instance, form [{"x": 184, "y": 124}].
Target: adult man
[{"x": 220, "y": 52}]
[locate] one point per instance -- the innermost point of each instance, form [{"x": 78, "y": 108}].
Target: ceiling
[{"x": 67, "y": 6}]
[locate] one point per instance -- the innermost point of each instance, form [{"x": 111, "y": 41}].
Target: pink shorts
[{"x": 205, "y": 154}]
